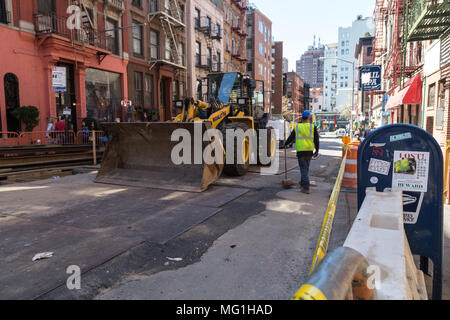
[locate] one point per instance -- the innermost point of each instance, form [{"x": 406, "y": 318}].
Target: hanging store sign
[
  {"x": 370, "y": 77},
  {"x": 59, "y": 79}
]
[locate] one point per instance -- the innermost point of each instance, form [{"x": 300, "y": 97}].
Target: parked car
[{"x": 340, "y": 133}]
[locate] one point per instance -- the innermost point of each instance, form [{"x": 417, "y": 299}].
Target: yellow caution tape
[
  {"x": 322, "y": 245},
  {"x": 309, "y": 292}
]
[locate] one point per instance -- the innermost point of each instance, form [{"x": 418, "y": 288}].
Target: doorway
[{"x": 67, "y": 99}]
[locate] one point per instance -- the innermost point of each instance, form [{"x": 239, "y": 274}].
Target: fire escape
[
  {"x": 394, "y": 12},
  {"x": 423, "y": 20},
  {"x": 211, "y": 33},
  {"x": 380, "y": 18},
  {"x": 240, "y": 29},
  {"x": 49, "y": 24},
  {"x": 414, "y": 21},
  {"x": 171, "y": 20}
]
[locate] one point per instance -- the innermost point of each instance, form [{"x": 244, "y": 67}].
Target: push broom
[{"x": 287, "y": 183}]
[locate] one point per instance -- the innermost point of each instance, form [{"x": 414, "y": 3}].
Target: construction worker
[{"x": 306, "y": 139}]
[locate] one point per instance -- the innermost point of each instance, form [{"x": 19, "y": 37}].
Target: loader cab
[{"x": 233, "y": 89}]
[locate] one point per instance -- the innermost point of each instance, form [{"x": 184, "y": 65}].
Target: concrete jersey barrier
[{"x": 378, "y": 234}]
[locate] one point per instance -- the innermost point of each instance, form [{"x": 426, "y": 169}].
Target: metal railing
[
  {"x": 9, "y": 139},
  {"x": 54, "y": 24},
  {"x": 46, "y": 138},
  {"x": 425, "y": 19},
  {"x": 13, "y": 139},
  {"x": 87, "y": 138}
]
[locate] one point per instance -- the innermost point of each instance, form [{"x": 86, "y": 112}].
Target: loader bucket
[{"x": 139, "y": 155}]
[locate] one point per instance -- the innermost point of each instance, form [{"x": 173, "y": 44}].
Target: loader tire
[
  {"x": 271, "y": 149},
  {"x": 234, "y": 169}
]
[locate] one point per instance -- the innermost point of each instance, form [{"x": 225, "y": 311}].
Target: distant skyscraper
[
  {"x": 330, "y": 77},
  {"x": 348, "y": 39},
  {"x": 310, "y": 67},
  {"x": 285, "y": 65}
]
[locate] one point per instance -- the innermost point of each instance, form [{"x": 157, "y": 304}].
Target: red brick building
[
  {"x": 39, "y": 39},
  {"x": 259, "y": 46},
  {"x": 157, "y": 72},
  {"x": 235, "y": 35},
  {"x": 295, "y": 94},
  {"x": 277, "y": 77}
]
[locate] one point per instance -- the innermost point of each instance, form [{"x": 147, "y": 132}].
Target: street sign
[
  {"x": 407, "y": 158},
  {"x": 59, "y": 79},
  {"x": 126, "y": 103},
  {"x": 67, "y": 112},
  {"x": 370, "y": 77}
]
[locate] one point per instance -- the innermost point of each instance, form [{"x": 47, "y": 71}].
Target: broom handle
[{"x": 285, "y": 152}]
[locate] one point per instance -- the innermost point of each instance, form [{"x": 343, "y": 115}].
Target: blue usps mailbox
[{"x": 405, "y": 157}]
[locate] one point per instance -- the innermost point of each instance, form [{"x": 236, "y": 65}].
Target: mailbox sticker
[
  {"x": 400, "y": 137},
  {"x": 411, "y": 170},
  {"x": 412, "y": 204},
  {"x": 379, "y": 166}
]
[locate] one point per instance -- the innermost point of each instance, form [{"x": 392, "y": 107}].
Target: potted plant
[{"x": 28, "y": 115}]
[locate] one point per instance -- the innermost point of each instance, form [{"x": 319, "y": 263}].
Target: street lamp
[{"x": 353, "y": 89}]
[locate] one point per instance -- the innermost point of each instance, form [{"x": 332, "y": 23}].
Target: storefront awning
[{"x": 411, "y": 94}]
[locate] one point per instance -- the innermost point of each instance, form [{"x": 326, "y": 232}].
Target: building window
[
  {"x": 137, "y": 3},
  {"x": 197, "y": 18},
  {"x": 219, "y": 62},
  {"x": 154, "y": 45},
  {"x": 431, "y": 95},
  {"x": 198, "y": 53},
  {"x": 111, "y": 26},
  {"x": 137, "y": 38},
  {"x": 440, "y": 111},
  {"x": 175, "y": 91},
  {"x": 208, "y": 24},
  {"x": 103, "y": 95},
  {"x": 209, "y": 57},
  {"x": 168, "y": 50},
  {"x": 218, "y": 28},
  {"x": 4, "y": 14},
  {"x": 148, "y": 91},
  {"x": 182, "y": 53},
  {"x": 138, "y": 89},
  {"x": 153, "y": 6},
  {"x": 167, "y": 7}
]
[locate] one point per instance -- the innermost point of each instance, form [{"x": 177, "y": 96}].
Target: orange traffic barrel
[{"x": 351, "y": 167}]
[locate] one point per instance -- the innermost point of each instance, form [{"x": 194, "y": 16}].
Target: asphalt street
[{"x": 244, "y": 238}]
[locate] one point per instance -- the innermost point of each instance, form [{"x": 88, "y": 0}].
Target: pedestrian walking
[
  {"x": 60, "y": 127},
  {"x": 307, "y": 140},
  {"x": 84, "y": 132},
  {"x": 50, "y": 128}
]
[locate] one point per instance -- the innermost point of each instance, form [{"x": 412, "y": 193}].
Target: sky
[{"x": 296, "y": 21}]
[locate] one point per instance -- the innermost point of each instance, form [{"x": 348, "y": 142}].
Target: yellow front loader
[{"x": 140, "y": 154}]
